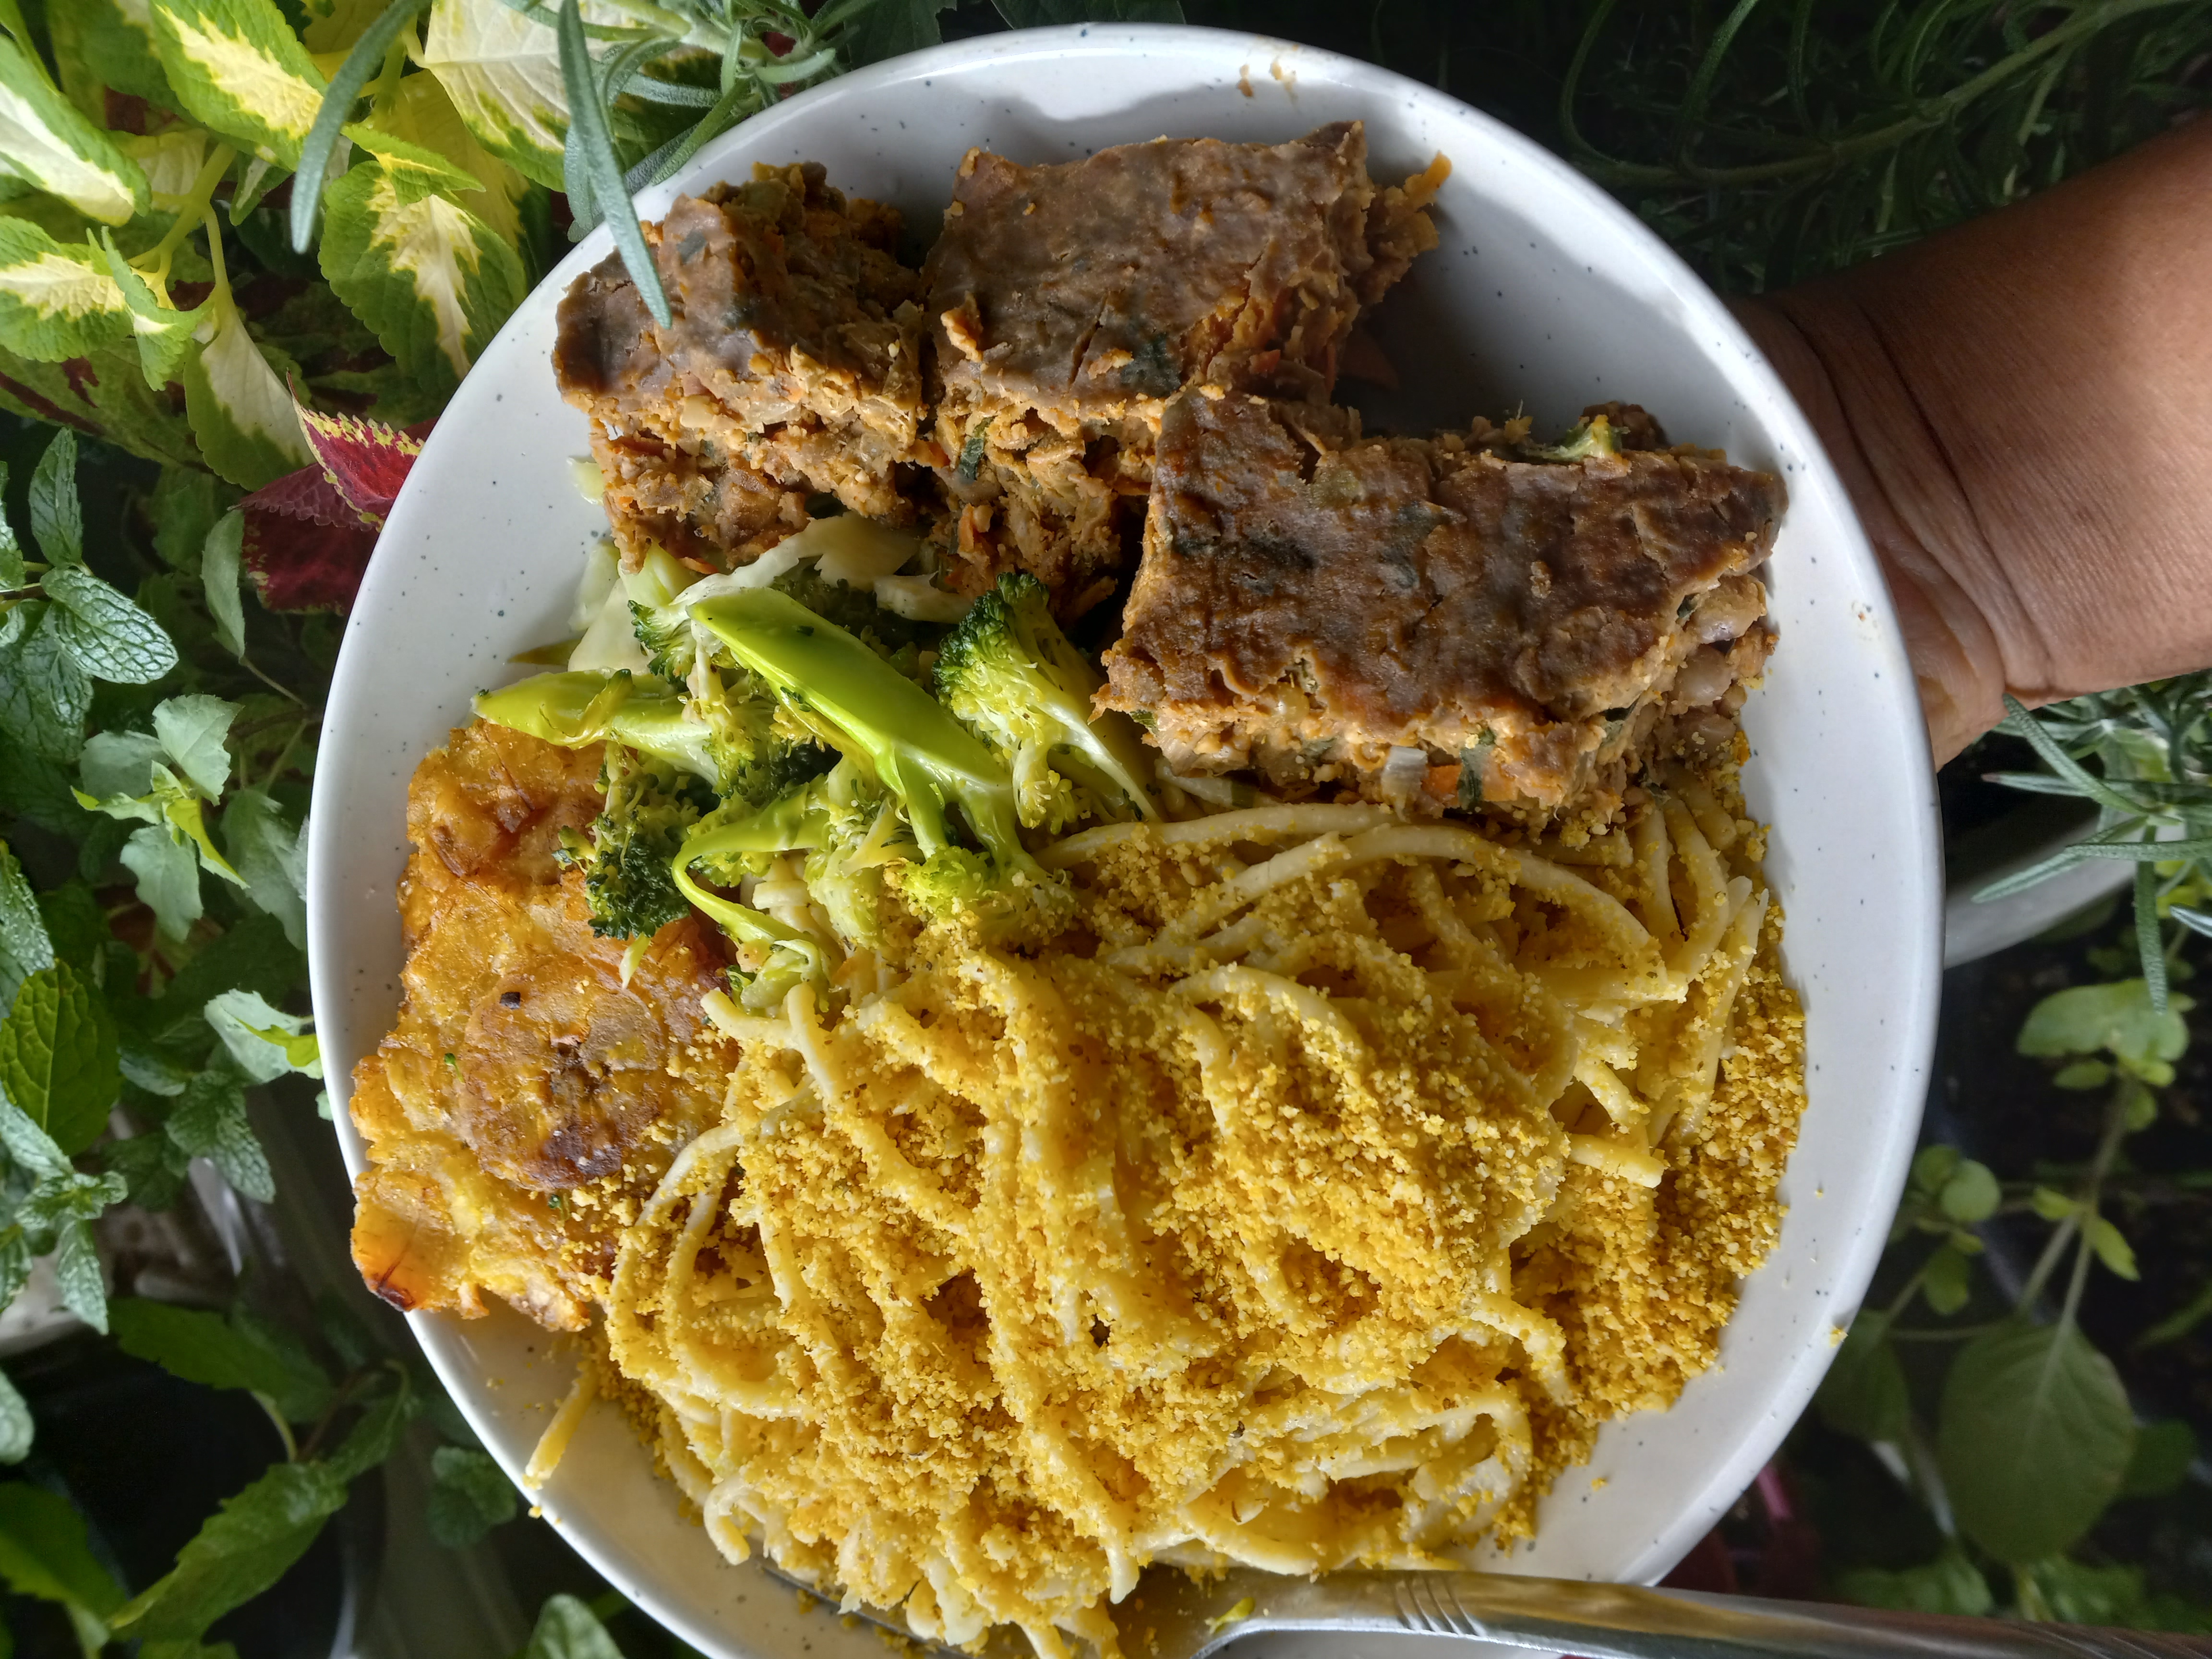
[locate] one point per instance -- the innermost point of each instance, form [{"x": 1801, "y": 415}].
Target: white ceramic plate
[{"x": 1545, "y": 294}]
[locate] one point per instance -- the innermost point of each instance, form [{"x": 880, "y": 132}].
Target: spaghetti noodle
[{"x": 1306, "y": 1205}]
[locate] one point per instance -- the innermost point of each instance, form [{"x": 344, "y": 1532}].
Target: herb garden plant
[{"x": 255, "y": 244}]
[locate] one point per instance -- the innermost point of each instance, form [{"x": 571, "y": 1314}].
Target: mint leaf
[
  {"x": 2036, "y": 1436},
  {"x": 57, "y": 1056},
  {"x": 566, "y": 1629},
  {"x": 168, "y": 879},
  {"x": 272, "y": 856},
  {"x": 43, "y": 1551},
  {"x": 373, "y": 1438},
  {"x": 30, "y": 1145},
  {"x": 13, "y": 571},
  {"x": 152, "y": 1166},
  {"x": 219, "y": 569},
  {"x": 469, "y": 1495},
  {"x": 194, "y": 730},
  {"x": 204, "y": 1348},
  {"x": 24, "y": 947},
  {"x": 266, "y": 1042},
  {"x": 44, "y": 695},
  {"x": 118, "y": 764},
  {"x": 14, "y": 1263},
  {"x": 210, "y": 1122},
  {"x": 240, "y": 1550},
  {"x": 16, "y": 1428},
  {"x": 56, "y": 301},
  {"x": 1864, "y": 1393},
  {"x": 57, "y": 518},
  {"x": 110, "y": 638},
  {"x": 77, "y": 1274},
  {"x": 186, "y": 505}
]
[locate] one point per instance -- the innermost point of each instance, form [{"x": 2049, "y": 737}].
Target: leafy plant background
[{"x": 239, "y": 239}]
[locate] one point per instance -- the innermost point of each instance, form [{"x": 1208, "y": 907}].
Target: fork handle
[{"x": 1614, "y": 1621}]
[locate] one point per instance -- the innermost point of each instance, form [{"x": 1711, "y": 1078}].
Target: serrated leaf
[
  {"x": 2036, "y": 1436},
  {"x": 413, "y": 167},
  {"x": 14, "y": 1263},
  {"x": 364, "y": 461},
  {"x": 376, "y": 1436},
  {"x": 57, "y": 1056},
  {"x": 502, "y": 72},
  {"x": 242, "y": 415},
  {"x": 272, "y": 857},
  {"x": 1864, "y": 1393},
  {"x": 170, "y": 158},
  {"x": 168, "y": 878},
  {"x": 120, "y": 764},
  {"x": 110, "y": 638},
  {"x": 219, "y": 573},
  {"x": 296, "y": 565},
  {"x": 266, "y": 1042},
  {"x": 44, "y": 695},
  {"x": 240, "y": 1551},
  {"x": 78, "y": 1277},
  {"x": 16, "y": 1428},
  {"x": 55, "y": 302},
  {"x": 13, "y": 573},
  {"x": 194, "y": 730},
  {"x": 163, "y": 334},
  {"x": 429, "y": 277},
  {"x": 420, "y": 111},
  {"x": 210, "y": 1122},
  {"x": 47, "y": 143},
  {"x": 56, "y": 516},
  {"x": 566, "y": 1629},
  {"x": 112, "y": 43},
  {"x": 43, "y": 1552},
  {"x": 469, "y": 1496},
  {"x": 103, "y": 395},
  {"x": 29, "y": 1145},
  {"x": 211, "y": 1351},
  {"x": 236, "y": 67},
  {"x": 25, "y": 947}
]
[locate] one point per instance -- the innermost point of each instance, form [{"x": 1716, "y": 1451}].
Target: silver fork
[{"x": 1173, "y": 1616}]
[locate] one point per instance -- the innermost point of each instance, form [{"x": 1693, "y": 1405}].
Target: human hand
[{"x": 2022, "y": 411}]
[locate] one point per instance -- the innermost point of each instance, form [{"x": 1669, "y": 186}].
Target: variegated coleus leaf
[
  {"x": 503, "y": 73},
  {"x": 432, "y": 280},
  {"x": 47, "y": 143},
  {"x": 165, "y": 334},
  {"x": 242, "y": 415},
  {"x": 306, "y": 538},
  {"x": 105, "y": 44},
  {"x": 56, "y": 302},
  {"x": 419, "y": 110},
  {"x": 237, "y": 68}
]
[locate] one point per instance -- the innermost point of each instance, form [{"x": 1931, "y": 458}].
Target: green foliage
[
  {"x": 241, "y": 1550},
  {"x": 469, "y": 1495},
  {"x": 566, "y": 1629},
  {"x": 1949, "y": 1584},
  {"x": 58, "y": 1057},
  {"x": 44, "y": 1554},
  {"x": 208, "y": 1349}
]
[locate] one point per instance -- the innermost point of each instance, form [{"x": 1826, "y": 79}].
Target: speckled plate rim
[{"x": 1841, "y": 765}]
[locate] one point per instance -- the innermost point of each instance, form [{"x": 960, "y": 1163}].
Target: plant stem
[
  {"x": 190, "y": 210},
  {"x": 2108, "y": 1146}
]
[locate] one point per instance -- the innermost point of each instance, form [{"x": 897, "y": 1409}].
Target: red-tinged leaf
[
  {"x": 366, "y": 460},
  {"x": 297, "y": 564},
  {"x": 308, "y": 494}
]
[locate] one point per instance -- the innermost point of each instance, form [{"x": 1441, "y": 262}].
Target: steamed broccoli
[
  {"x": 907, "y": 743},
  {"x": 1593, "y": 434},
  {"x": 1014, "y": 680},
  {"x": 737, "y": 744},
  {"x": 650, "y": 805},
  {"x": 846, "y": 825}
]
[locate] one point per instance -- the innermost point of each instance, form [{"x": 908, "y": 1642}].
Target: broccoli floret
[
  {"x": 1027, "y": 907},
  {"x": 737, "y": 744},
  {"x": 650, "y": 806},
  {"x": 1592, "y": 435},
  {"x": 1014, "y": 680},
  {"x": 846, "y": 825},
  {"x": 856, "y": 610},
  {"x": 911, "y": 746}
]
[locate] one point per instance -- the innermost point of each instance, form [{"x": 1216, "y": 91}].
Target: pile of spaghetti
[{"x": 1307, "y": 1202}]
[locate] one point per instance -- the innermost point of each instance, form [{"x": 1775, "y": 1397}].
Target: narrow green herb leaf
[
  {"x": 470, "y": 1495},
  {"x": 376, "y": 1436},
  {"x": 2150, "y": 942},
  {"x": 2022, "y": 724},
  {"x": 243, "y": 1549},
  {"x": 57, "y": 517},
  {"x": 207, "y": 1349},
  {"x": 57, "y": 1056},
  {"x": 168, "y": 878},
  {"x": 591, "y": 148},
  {"x": 110, "y": 638},
  {"x": 220, "y": 559},
  {"x": 566, "y": 1629},
  {"x": 363, "y": 61},
  {"x": 77, "y": 1274},
  {"x": 210, "y": 1122},
  {"x": 2035, "y": 1437},
  {"x": 16, "y": 1428}
]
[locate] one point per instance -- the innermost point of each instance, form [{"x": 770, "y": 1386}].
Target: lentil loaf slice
[
  {"x": 791, "y": 366},
  {"x": 1517, "y": 628},
  {"x": 1070, "y": 301}
]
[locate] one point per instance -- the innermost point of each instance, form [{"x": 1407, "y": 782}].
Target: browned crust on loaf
[
  {"x": 478, "y": 1113},
  {"x": 792, "y": 355},
  {"x": 1309, "y": 600},
  {"x": 1068, "y": 302}
]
